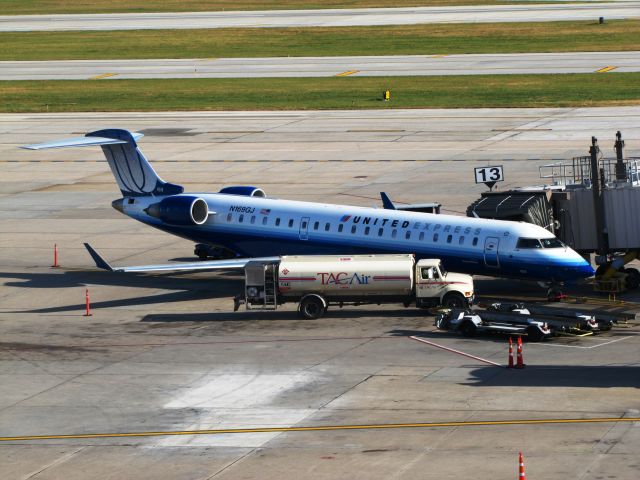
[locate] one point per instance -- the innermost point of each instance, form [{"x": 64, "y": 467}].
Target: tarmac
[
  {"x": 400, "y": 65},
  {"x": 324, "y": 18},
  {"x": 165, "y": 355}
]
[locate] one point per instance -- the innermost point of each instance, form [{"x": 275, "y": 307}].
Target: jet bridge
[{"x": 591, "y": 203}]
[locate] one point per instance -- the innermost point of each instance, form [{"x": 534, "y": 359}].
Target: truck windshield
[{"x": 552, "y": 243}]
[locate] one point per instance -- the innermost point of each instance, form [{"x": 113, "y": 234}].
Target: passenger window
[
  {"x": 303, "y": 225},
  {"x": 475, "y": 241},
  {"x": 241, "y": 218},
  {"x": 461, "y": 241},
  {"x": 340, "y": 227},
  {"x": 380, "y": 232},
  {"x": 394, "y": 233},
  {"x": 316, "y": 225},
  {"x": 277, "y": 222},
  {"x": 421, "y": 236},
  {"x": 327, "y": 226},
  {"x": 449, "y": 238},
  {"x": 366, "y": 230},
  {"x": 435, "y": 237},
  {"x": 253, "y": 219},
  {"x": 264, "y": 220},
  {"x": 407, "y": 235},
  {"x": 291, "y": 223},
  {"x": 353, "y": 229},
  {"x": 229, "y": 217}
]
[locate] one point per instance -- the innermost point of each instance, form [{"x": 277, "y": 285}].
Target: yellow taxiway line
[
  {"x": 321, "y": 428},
  {"x": 104, "y": 75},
  {"x": 606, "y": 69},
  {"x": 349, "y": 72}
]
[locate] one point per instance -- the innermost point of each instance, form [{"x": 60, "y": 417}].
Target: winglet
[
  {"x": 100, "y": 262},
  {"x": 386, "y": 202}
]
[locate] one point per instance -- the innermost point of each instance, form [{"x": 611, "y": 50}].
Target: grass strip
[
  {"x": 337, "y": 41},
  {"x": 38, "y": 7},
  {"x": 565, "y": 90}
]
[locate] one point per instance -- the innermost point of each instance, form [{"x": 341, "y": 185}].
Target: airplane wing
[{"x": 200, "y": 266}]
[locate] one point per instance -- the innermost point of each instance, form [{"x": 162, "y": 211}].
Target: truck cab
[{"x": 435, "y": 286}]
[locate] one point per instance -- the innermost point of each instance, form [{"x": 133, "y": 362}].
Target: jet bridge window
[
  {"x": 551, "y": 243},
  {"x": 526, "y": 243}
]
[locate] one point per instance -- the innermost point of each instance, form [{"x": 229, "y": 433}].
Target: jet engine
[
  {"x": 244, "y": 190},
  {"x": 180, "y": 210}
]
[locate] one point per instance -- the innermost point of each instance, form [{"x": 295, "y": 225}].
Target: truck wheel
[
  {"x": 454, "y": 300},
  {"x": 534, "y": 334},
  {"x": 468, "y": 329},
  {"x": 311, "y": 307}
]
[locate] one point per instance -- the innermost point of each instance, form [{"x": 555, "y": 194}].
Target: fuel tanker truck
[{"x": 317, "y": 281}]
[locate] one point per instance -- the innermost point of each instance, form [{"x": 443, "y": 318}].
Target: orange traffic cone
[
  {"x": 522, "y": 476},
  {"x": 510, "y": 353},
  {"x": 520, "y": 360},
  {"x": 55, "y": 256},
  {"x": 88, "y": 312}
]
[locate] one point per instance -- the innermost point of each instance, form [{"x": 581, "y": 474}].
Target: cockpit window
[
  {"x": 528, "y": 243},
  {"x": 552, "y": 243}
]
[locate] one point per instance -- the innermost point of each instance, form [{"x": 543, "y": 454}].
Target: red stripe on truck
[{"x": 384, "y": 277}]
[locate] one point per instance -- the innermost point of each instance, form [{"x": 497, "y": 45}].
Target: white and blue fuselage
[
  {"x": 259, "y": 227},
  {"x": 255, "y": 226}
]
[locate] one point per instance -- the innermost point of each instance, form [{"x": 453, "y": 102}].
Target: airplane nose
[{"x": 118, "y": 205}]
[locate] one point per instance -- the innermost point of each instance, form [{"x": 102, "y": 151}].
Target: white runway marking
[{"x": 576, "y": 346}]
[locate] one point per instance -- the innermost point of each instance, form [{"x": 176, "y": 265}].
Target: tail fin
[{"x": 132, "y": 171}]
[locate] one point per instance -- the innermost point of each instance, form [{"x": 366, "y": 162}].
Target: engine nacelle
[
  {"x": 244, "y": 190},
  {"x": 180, "y": 210}
]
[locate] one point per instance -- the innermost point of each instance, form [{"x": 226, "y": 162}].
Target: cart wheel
[
  {"x": 468, "y": 329},
  {"x": 633, "y": 278},
  {"x": 312, "y": 307},
  {"x": 534, "y": 334}
]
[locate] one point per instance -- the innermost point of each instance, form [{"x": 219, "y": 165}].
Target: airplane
[{"x": 243, "y": 220}]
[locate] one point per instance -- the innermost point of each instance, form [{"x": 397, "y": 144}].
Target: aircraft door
[
  {"x": 491, "y": 252},
  {"x": 304, "y": 228}
]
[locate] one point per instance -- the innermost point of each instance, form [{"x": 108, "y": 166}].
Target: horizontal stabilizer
[
  {"x": 198, "y": 266},
  {"x": 80, "y": 142}
]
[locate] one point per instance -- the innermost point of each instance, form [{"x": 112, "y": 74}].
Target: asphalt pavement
[
  {"x": 323, "y": 18},
  {"x": 530, "y": 63}
]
